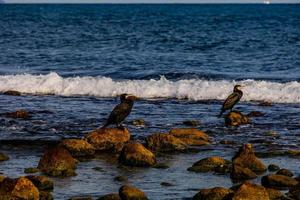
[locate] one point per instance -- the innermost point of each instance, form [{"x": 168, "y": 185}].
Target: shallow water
[{"x": 55, "y": 117}]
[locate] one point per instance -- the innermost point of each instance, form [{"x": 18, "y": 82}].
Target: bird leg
[{"x": 120, "y": 126}]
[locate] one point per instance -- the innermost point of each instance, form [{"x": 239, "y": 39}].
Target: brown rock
[
  {"x": 78, "y": 147},
  {"x": 255, "y": 114},
  {"x": 292, "y": 153},
  {"x": 208, "y": 164},
  {"x": 138, "y": 122},
  {"x": 3, "y": 157},
  {"x": 235, "y": 118},
  {"x": 108, "y": 139},
  {"x": 135, "y": 154},
  {"x": 190, "y": 136},
  {"x": 20, "y": 188},
  {"x": 250, "y": 191},
  {"x": 41, "y": 182},
  {"x": 265, "y": 103},
  {"x": 273, "y": 168},
  {"x": 278, "y": 181},
  {"x": 247, "y": 159},
  {"x": 21, "y": 114},
  {"x": 191, "y": 123},
  {"x": 110, "y": 197},
  {"x": 285, "y": 172},
  {"x": 165, "y": 143},
  {"x": 2, "y": 178},
  {"x": 12, "y": 93},
  {"x": 217, "y": 193},
  {"x": 31, "y": 170},
  {"x": 57, "y": 162},
  {"x": 44, "y": 195},
  {"x": 131, "y": 193},
  {"x": 295, "y": 192},
  {"x": 240, "y": 173},
  {"x": 274, "y": 194}
]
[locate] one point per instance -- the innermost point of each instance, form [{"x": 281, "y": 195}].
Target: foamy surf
[{"x": 192, "y": 89}]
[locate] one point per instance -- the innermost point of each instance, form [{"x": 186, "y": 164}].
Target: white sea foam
[{"x": 193, "y": 89}]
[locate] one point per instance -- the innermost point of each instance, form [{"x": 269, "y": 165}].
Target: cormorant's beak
[{"x": 132, "y": 97}]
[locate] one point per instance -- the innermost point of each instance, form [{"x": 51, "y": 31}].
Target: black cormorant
[
  {"x": 232, "y": 99},
  {"x": 121, "y": 111}
]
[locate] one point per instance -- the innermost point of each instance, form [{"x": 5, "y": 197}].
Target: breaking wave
[{"x": 192, "y": 89}]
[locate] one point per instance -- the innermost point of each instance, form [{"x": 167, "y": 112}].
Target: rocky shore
[{"x": 61, "y": 160}]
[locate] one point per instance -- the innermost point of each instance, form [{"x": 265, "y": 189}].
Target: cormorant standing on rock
[
  {"x": 121, "y": 111},
  {"x": 232, "y": 99}
]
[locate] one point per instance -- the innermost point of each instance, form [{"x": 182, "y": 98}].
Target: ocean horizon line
[{"x": 153, "y": 3}]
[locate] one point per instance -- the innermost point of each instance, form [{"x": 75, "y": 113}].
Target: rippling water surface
[{"x": 72, "y": 61}]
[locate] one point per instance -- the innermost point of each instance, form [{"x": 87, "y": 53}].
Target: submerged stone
[
  {"x": 236, "y": 118},
  {"x": 135, "y": 154},
  {"x": 190, "y": 136},
  {"x": 285, "y": 172},
  {"x": 3, "y": 157},
  {"x": 110, "y": 197},
  {"x": 57, "y": 162},
  {"x": 217, "y": 193},
  {"x": 41, "y": 182},
  {"x": 191, "y": 123},
  {"x": 165, "y": 143},
  {"x": 273, "y": 168},
  {"x": 278, "y": 181},
  {"x": 20, "y": 114},
  {"x": 12, "y": 93},
  {"x": 31, "y": 170},
  {"x": 209, "y": 164},
  {"x": 131, "y": 193}
]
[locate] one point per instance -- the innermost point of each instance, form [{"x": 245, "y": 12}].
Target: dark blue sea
[{"x": 71, "y": 62}]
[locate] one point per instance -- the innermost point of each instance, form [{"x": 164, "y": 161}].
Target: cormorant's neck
[
  {"x": 130, "y": 102},
  {"x": 238, "y": 91}
]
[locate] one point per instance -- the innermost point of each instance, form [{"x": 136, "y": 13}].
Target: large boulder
[
  {"x": 78, "y": 147},
  {"x": 20, "y": 114},
  {"x": 217, "y": 193},
  {"x": 57, "y": 162},
  {"x": 3, "y": 157},
  {"x": 135, "y": 154},
  {"x": 278, "y": 181},
  {"x": 235, "y": 118},
  {"x": 108, "y": 139},
  {"x": 246, "y": 158},
  {"x": 165, "y": 143},
  {"x": 210, "y": 164},
  {"x": 20, "y": 188},
  {"x": 250, "y": 191},
  {"x": 190, "y": 136},
  {"x": 131, "y": 193}
]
